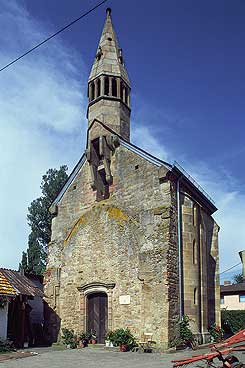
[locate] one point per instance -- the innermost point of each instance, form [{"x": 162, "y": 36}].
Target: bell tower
[{"x": 109, "y": 87}]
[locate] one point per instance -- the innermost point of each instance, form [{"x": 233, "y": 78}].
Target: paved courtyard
[{"x": 96, "y": 358}]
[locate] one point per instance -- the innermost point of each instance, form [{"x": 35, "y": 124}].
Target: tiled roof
[
  {"x": 20, "y": 283},
  {"x": 5, "y": 287},
  {"x": 235, "y": 288}
]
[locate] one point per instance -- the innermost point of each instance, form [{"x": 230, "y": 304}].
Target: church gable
[{"x": 111, "y": 145}]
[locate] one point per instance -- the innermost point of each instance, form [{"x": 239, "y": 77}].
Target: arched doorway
[{"x": 97, "y": 314}]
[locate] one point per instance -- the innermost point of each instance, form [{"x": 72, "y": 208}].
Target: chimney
[
  {"x": 242, "y": 256},
  {"x": 226, "y": 283}
]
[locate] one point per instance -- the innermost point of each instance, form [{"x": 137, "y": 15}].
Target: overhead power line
[
  {"x": 238, "y": 264},
  {"x": 53, "y": 35}
]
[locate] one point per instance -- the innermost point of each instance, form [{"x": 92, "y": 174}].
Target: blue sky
[{"x": 186, "y": 65}]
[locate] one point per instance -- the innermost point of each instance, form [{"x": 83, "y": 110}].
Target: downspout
[{"x": 180, "y": 251}]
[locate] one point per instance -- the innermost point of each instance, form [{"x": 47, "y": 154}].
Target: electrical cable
[
  {"x": 53, "y": 35},
  {"x": 230, "y": 268}
]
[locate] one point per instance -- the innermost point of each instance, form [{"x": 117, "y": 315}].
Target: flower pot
[
  {"x": 123, "y": 348},
  {"x": 94, "y": 341}
]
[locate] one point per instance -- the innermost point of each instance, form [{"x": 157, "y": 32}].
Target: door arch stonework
[{"x": 95, "y": 288}]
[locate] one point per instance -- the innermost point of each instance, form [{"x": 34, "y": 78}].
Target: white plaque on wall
[{"x": 124, "y": 299}]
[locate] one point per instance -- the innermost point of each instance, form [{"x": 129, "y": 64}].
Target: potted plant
[
  {"x": 69, "y": 338},
  {"x": 83, "y": 340},
  {"x": 109, "y": 339},
  {"x": 124, "y": 339},
  {"x": 216, "y": 333},
  {"x": 93, "y": 337}
]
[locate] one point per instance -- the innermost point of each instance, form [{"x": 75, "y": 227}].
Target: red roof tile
[{"x": 5, "y": 287}]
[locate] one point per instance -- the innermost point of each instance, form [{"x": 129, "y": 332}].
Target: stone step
[{"x": 96, "y": 346}]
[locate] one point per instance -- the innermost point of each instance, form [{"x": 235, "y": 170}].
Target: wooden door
[{"x": 97, "y": 315}]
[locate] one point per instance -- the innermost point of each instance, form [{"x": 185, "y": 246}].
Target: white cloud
[
  {"x": 230, "y": 201},
  {"x": 143, "y": 138},
  {"x": 41, "y": 108}
]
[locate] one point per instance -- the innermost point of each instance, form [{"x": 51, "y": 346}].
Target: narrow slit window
[
  {"x": 194, "y": 252},
  {"x": 194, "y": 213},
  {"x": 195, "y": 296}
]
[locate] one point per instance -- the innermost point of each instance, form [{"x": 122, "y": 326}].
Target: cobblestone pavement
[{"x": 96, "y": 358}]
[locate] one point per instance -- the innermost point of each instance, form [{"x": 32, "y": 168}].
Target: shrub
[
  {"x": 186, "y": 334},
  {"x": 232, "y": 321},
  {"x": 110, "y": 336},
  {"x": 216, "y": 332},
  {"x": 6, "y": 346},
  {"x": 183, "y": 333},
  {"x": 69, "y": 338},
  {"x": 121, "y": 337}
]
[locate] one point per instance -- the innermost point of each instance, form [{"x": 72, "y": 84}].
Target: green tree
[
  {"x": 24, "y": 263},
  {"x": 238, "y": 278},
  {"x": 39, "y": 219}
]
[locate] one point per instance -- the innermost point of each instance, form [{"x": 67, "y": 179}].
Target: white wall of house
[
  {"x": 232, "y": 302},
  {"x": 3, "y": 322}
]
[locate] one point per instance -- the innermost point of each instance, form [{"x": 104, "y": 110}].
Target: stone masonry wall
[
  {"x": 114, "y": 113},
  {"x": 200, "y": 264},
  {"x": 128, "y": 239}
]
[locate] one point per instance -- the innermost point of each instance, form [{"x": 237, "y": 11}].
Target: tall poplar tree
[{"x": 39, "y": 219}]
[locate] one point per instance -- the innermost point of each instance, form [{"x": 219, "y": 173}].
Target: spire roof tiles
[{"x": 109, "y": 59}]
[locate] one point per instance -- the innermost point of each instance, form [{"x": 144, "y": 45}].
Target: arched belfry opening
[
  {"x": 114, "y": 87},
  {"x": 97, "y": 314},
  {"x": 106, "y": 92}
]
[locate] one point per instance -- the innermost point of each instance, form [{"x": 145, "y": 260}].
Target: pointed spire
[{"x": 109, "y": 57}]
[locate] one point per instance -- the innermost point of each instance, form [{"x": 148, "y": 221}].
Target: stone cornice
[{"x": 96, "y": 284}]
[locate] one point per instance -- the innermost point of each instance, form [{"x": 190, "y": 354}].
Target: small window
[
  {"x": 222, "y": 300},
  {"x": 195, "y": 296},
  {"x": 194, "y": 252},
  {"x": 242, "y": 298},
  {"x": 109, "y": 39},
  {"x": 194, "y": 214},
  {"x": 136, "y": 167}
]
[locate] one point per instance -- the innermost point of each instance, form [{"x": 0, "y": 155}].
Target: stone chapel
[{"x": 133, "y": 241}]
